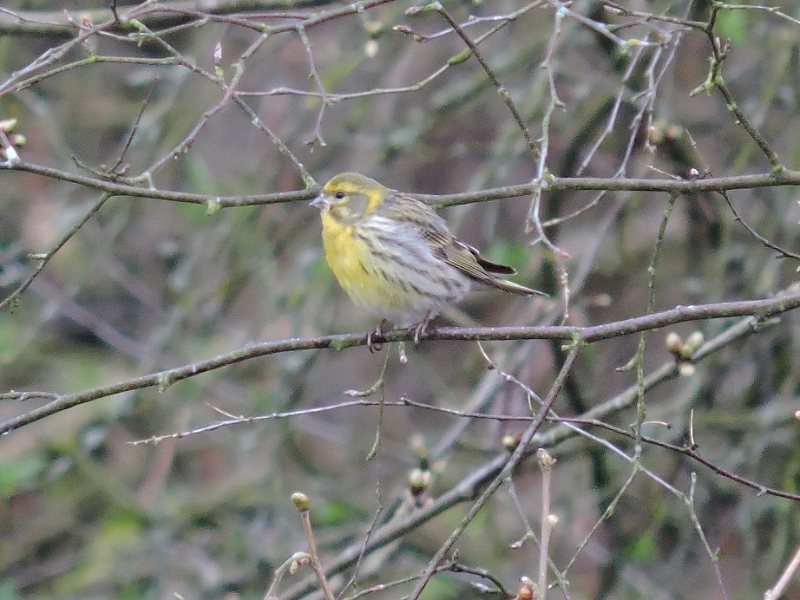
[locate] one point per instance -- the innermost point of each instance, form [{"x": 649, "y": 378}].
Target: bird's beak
[{"x": 320, "y": 201}]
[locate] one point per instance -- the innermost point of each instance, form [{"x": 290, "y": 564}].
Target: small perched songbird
[{"x": 394, "y": 255}]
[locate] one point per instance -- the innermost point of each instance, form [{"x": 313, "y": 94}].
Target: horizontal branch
[
  {"x": 118, "y": 188},
  {"x": 63, "y": 23},
  {"x": 671, "y": 186},
  {"x": 760, "y": 310}
]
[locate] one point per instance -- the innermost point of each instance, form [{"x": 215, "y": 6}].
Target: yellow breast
[
  {"x": 388, "y": 275},
  {"x": 351, "y": 261}
]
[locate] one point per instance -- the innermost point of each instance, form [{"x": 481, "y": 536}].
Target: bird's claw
[
  {"x": 421, "y": 329},
  {"x": 378, "y": 331},
  {"x": 418, "y": 330}
]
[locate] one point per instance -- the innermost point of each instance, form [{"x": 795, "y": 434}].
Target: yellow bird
[{"x": 394, "y": 255}]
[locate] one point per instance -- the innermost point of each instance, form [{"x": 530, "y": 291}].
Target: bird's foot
[
  {"x": 378, "y": 331},
  {"x": 421, "y": 328}
]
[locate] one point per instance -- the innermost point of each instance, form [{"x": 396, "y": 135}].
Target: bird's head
[{"x": 349, "y": 197}]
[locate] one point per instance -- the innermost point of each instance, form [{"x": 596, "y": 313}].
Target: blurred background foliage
[{"x": 147, "y": 285}]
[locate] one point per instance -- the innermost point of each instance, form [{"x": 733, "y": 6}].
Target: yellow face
[{"x": 350, "y": 197}]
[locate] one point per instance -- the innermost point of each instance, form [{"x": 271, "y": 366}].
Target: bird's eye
[{"x": 339, "y": 195}]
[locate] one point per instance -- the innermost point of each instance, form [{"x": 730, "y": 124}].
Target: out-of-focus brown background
[{"x": 147, "y": 285}]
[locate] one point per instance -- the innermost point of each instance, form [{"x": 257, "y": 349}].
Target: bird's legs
[
  {"x": 373, "y": 346},
  {"x": 421, "y": 328}
]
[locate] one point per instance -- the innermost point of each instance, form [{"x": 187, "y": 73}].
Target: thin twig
[
  {"x": 794, "y": 564},
  {"x": 43, "y": 259},
  {"x": 506, "y": 471},
  {"x": 492, "y": 76},
  {"x": 545, "y": 462},
  {"x": 302, "y": 504},
  {"x": 782, "y": 253},
  {"x": 761, "y": 309}
]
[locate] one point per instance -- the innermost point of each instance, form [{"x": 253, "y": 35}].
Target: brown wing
[
  {"x": 433, "y": 230},
  {"x": 490, "y": 266},
  {"x": 469, "y": 261}
]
